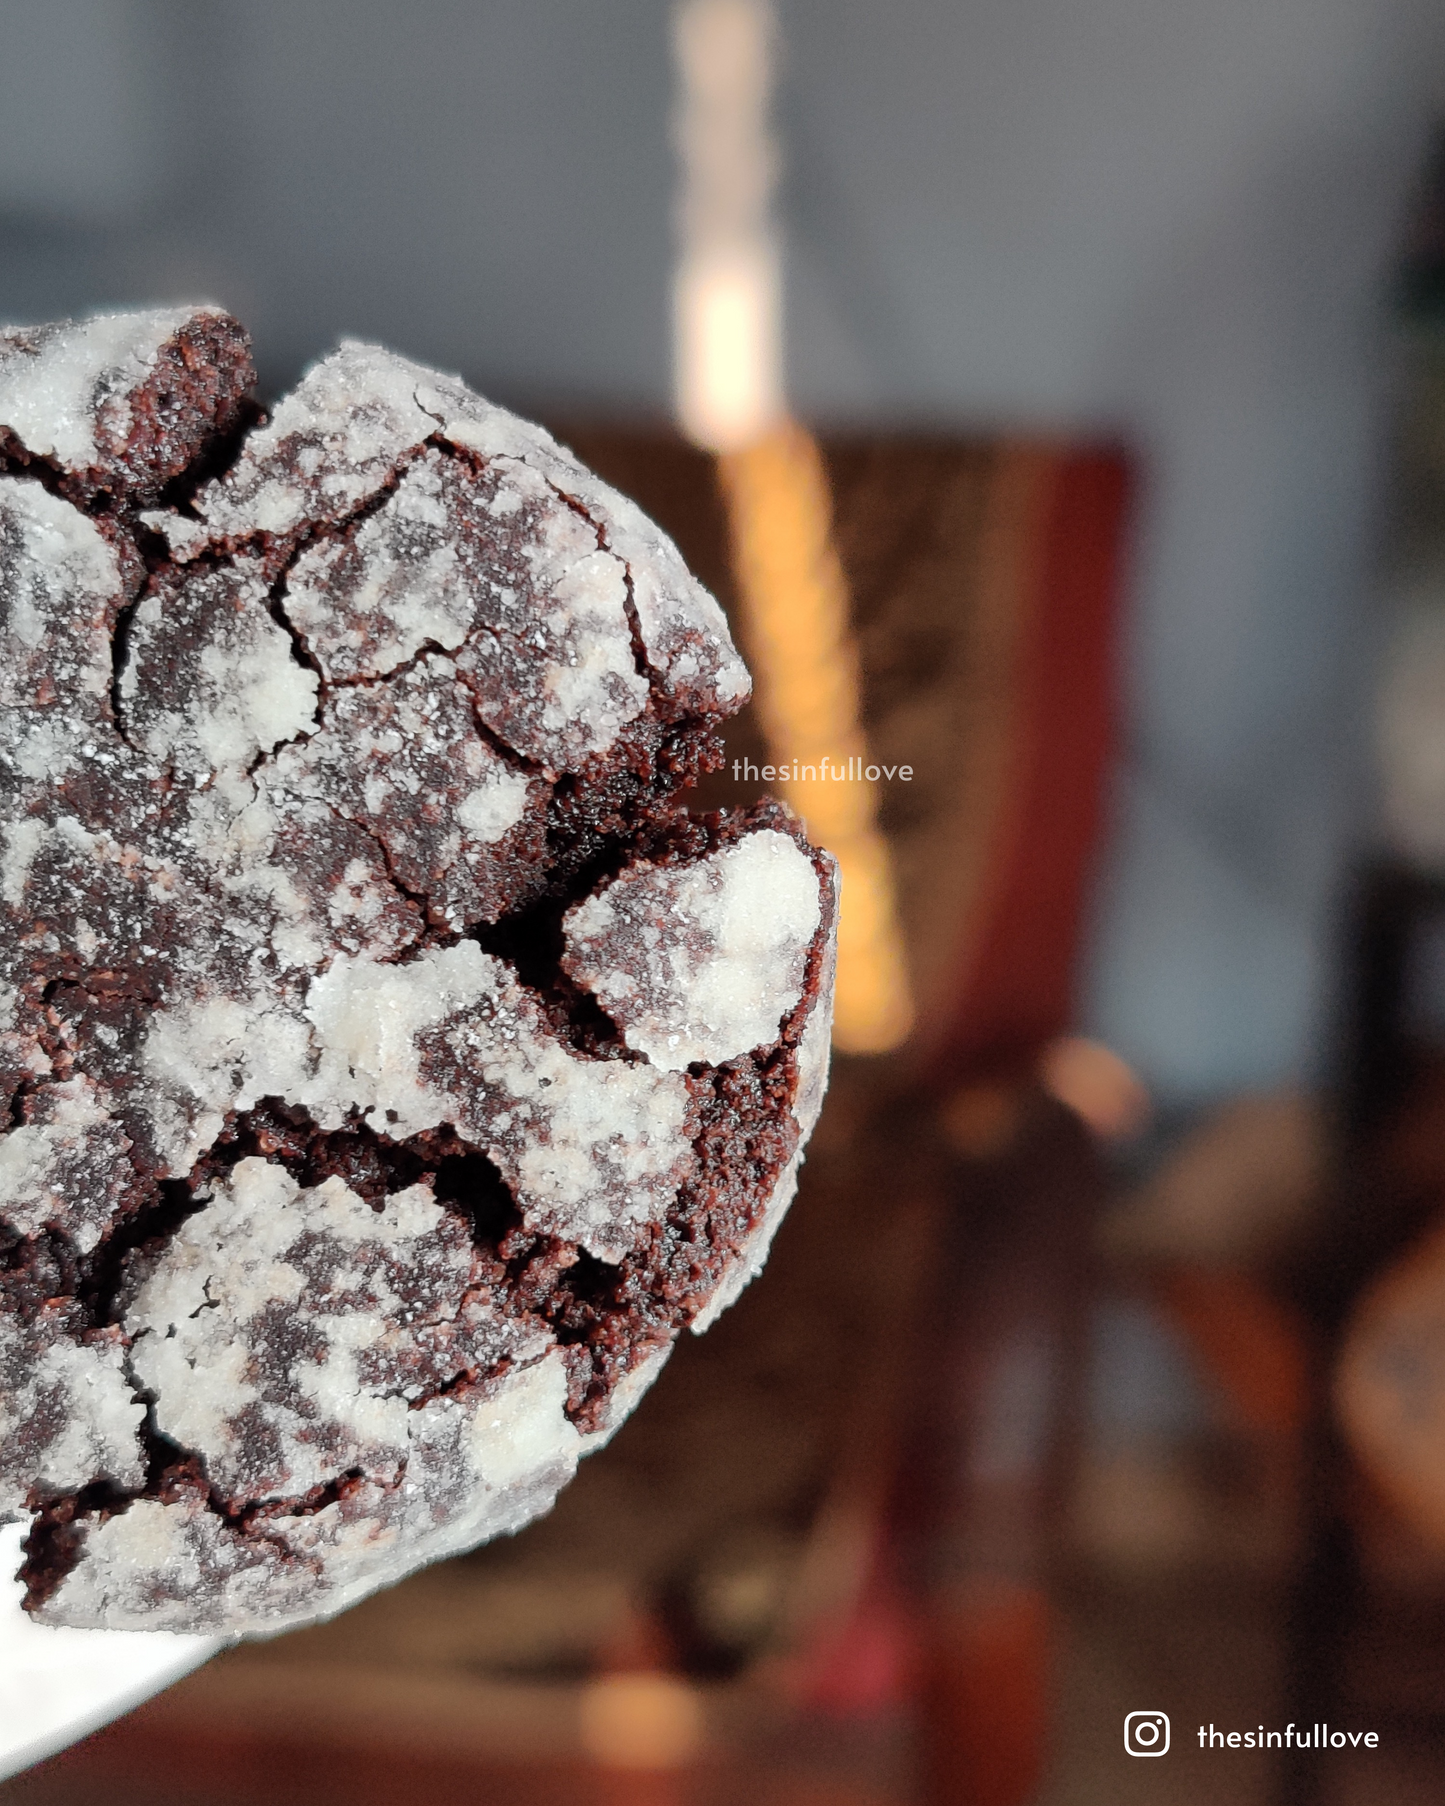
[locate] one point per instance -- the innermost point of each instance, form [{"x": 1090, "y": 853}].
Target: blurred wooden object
[
  {"x": 279, "y": 1748},
  {"x": 1014, "y": 1293},
  {"x": 1253, "y": 1344},
  {"x": 1387, "y": 1182},
  {"x": 1390, "y": 1385},
  {"x": 1241, "y": 1192},
  {"x": 795, "y": 629},
  {"x": 985, "y": 1690}
]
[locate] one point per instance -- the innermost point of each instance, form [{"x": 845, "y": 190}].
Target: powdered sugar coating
[
  {"x": 65, "y": 1166},
  {"x": 288, "y": 826},
  {"x": 682, "y": 628},
  {"x": 334, "y": 442},
  {"x": 369, "y": 603},
  {"x": 405, "y": 761},
  {"x": 121, "y": 402},
  {"x": 558, "y": 682},
  {"x": 68, "y": 1416},
  {"x": 60, "y": 585},
  {"x": 489, "y": 564},
  {"x": 158, "y": 1566},
  {"x": 212, "y": 681},
  {"x": 702, "y": 961},
  {"x": 286, "y": 1331},
  {"x": 337, "y": 440},
  {"x": 591, "y": 1149},
  {"x": 199, "y": 1061},
  {"x": 814, "y": 1054},
  {"x": 65, "y": 390},
  {"x": 22, "y": 1058},
  {"x": 506, "y": 1449}
]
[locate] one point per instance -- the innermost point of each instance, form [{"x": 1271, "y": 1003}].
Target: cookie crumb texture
[{"x": 393, "y": 1066}]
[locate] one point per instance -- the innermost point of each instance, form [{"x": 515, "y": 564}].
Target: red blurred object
[
  {"x": 1014, "y": 982},
  {"x": 984, "y": 1680}
]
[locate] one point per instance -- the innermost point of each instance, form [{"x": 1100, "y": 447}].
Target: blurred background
[{"x": 1101, "y": 1366}]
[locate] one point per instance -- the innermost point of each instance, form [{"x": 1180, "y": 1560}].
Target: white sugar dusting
[
  {"x": 480, "y": 1464},
  {"x": 235, "y": 1292},
  {"x": 495, "y": 805},
  {"x": 23, "y": 841},
  {"x": 65, "y": 1168},
  {"x": 161, "y": 1566},
  {"x": 67, "y": 1414},
  {"x": 334, "y": 443},
  {"x": 702, "y": 961},
  {"x": 405, "y": 761},
  {"x": 202, "y": 1060},
  {"x": 367, "y": 1019},
  {"x": 241, "y": 692},
  {"x": 815, "y": 1046},
  {"x": 591, "y": 1149},
  {"x": 58, "y": 577},
  {"x": 58, "y": 382},
  {"x": 285, "y": 1330},
  {"x": 331, "y": 444},
  {"x": 551, "y": 660},
  {"x": 683, "y": 629},
  {"x": 411, "y": 591}
]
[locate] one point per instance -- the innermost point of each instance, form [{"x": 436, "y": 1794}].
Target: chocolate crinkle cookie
[{"x": 393, "y": 1066}]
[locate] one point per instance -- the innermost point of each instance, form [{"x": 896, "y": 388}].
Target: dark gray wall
[{"x": 485, "y": 185}]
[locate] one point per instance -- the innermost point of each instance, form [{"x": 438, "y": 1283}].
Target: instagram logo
[{"x": 1146, "y": 1733}]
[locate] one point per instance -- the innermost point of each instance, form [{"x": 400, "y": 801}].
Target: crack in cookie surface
[{"x": 393, "y": 1067}]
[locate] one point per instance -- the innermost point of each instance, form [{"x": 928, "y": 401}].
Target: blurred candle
[
  {"x": 727, "y": 293},
  {"x": 727, "y": 302}
]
